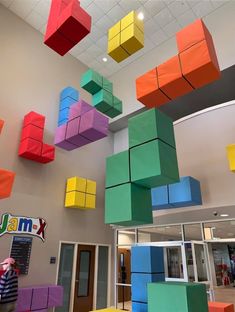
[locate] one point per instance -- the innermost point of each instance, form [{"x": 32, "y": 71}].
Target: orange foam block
[
  {"x": 1, "y": 125},
  {"x": 148, "y": 91},
  {"x": 220, "y": 307},
  {"x": 6, "y": 183},
  {"x": 171, "y": 80}
]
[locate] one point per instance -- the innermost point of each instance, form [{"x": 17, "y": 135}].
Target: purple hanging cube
[
  {"x": 24, "y": 299},
  {"x": 39, "y": 298},
  {"x": 56, "y": 293},
  {"x": 72, "y": 133},
  {"x": 78, "y": 109},
  {"x": 94, "y": 125},
  {"x": 60, "y": 140}
]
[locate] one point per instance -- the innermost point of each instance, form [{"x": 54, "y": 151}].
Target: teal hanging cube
[
  {"x": 128, "y": 204},
  {"x": 117, "y": 169},
  {"x": 116, "y": 108},
  {"x": 153, "y": 164},
  {"x": 149, "y": 125},
  {"x": 177, "y": 297},
  {"x": 107, "y": 85},
  {"x": 91, "y": 81},
  {"x": 102, "y": 101}
]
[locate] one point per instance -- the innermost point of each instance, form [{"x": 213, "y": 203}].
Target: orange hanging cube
[
  {"x": 148, "y": 92},
  {"x": 171, "y": 80},
  {"x": 1, "y": 125},
  {"x": 220, "y": 307},
  {"x": 6, "y": 183}
]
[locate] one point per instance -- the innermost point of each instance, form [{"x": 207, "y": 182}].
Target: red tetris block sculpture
[
  {"x": 31, "y": 144},
  {"x": 220, "y": 307},
  {"x": 6, "y": 183},
  {"x": 1, "y": 125},
  {"x": 67, "y": 24},
  {"x": 195, "y": 66}
]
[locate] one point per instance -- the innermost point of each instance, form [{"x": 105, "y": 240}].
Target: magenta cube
[
  {"x": 72, "y": 133},
  {"x": 39, "y": 298},
  {"x": 60, "y": 140},
  {"x": 42, "y": 310},
  {"x": 94, "y": 125},
  {"x": 56, "y": 293},
  {"x": 79, "y": 108},
  {"x": 24, "y": 299}
]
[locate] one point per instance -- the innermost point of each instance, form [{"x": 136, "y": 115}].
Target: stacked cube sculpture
[
  {"x": 126, "y": 37},
  {"x": 185, "y": 193},
  {"x": 68, "y": 96},
  {"x": 231, "y": 156},
  {"x": 67, "y": 24},
  {"x": 220, "y": 307},
  {"x": 80, "y": 193},
  {"x": 147, "y": 266},
  {"x": 177, "y": 297},
  {"x": 150, "y": 161},
  {"x": 31, "y": 143},
  {"x": 102, "y": 93},
  {"x": 194, "y": 66}
]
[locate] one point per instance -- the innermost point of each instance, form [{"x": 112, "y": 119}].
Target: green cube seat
[
  {"x": 128, "y": 204},
  {"x": 153, "y": 164},
  {"x": 149, "y": 125},
  {"x": 117, "y": 169},
  {"x": 91, "y": 81},
  {"x": 116, "y": 108},
  {"x": 102, "y": 100},
  {"x": 107, "y": 85},
  {"x": 177, "y": 297}
]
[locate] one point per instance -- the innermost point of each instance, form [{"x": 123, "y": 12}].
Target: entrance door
[
  {"x": 83, "y": 296},
  {"x": 124, "y": 274}
]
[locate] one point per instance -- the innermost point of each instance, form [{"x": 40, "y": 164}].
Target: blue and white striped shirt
[{"x": 8, "y": 287}]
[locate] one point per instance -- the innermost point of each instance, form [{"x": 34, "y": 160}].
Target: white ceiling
[{"x": 162, "y": 20}]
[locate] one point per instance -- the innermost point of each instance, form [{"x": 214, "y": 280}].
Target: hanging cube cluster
[
  {"x": 101, "y": 90},
  {"x": 80, "y": 193},
  {"x": 150, "y": 161},
  {"x": 194, "y": 66},
  {"x": 126, "y": 37}
]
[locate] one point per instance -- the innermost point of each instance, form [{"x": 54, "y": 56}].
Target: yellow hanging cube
[
  {"x": 115, "y": 50},
  {"x": 132, "y": 18},
  {"x": 90, "y": 201},
  {"x": 91, "y": 187},
  {"x": 75, "y": 199},
  {"x": 132, "y": 39},
  {"x": 76, "y": 184},
  {"x": 231, "y": 156},
  {"x": 114, "y": 30}
]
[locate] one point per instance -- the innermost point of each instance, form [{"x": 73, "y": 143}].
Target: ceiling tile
[
  {"x": 95, "y": 33},
  {"x": 192, "y": 3},
  {"x": 6, "y": 3},
  {"x": 172, "y": 28},
  {"x": 94, "y": 51},
  {"x": 43, "y": 29},
  {"x": 129, "y": 5},
  {"x": 116, "y": 13},
  {"x": 151, "y": 26},
  {"x": 85, "y": 3},
  {"x": 203, "y": 8},
  {"x": 95, "y": 12},
  {"x": 158, "y": 37},
  {"x": 96, "y": 65},
  {"x": 104, "y": 23},
  {"x": 178, "y": 7},
  {"x": 142, "y": 9},
  {"x": 84, "y": 58},
  {"x": 85, "y": 43},
  {"x": 148, "y": 44},
  {"x": 102, "y": 43},
  {"x": 154, "y": 7},
  {"x": 43, "y": 7},
  {"x": 187, "y": 18},
  {"x": 76, "y": 50},
  {"x": 106, "y": 5},
  {"x": 164, "y": 17},
  {"x": 23, "y": 7},
  {"x": 217, "y": 3},
  {"x": 36, "y": 20}
]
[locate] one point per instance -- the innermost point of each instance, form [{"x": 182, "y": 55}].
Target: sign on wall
[
  {"x": 21, "y": 251},
  {"x": 23, "y": 225}
]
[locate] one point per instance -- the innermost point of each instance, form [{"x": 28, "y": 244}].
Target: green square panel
[
  {"x": 153, "y": 164},
  {"x": 149, "y": 125},
  {"x": 116, "y": 108},
  {"x": 102, "y": 100},
  {"x": 177, "y": 297},
  {"x": 117, "y": 169},
  {"x": 128, "y": 204},
  {"x": 107, "y": 85},
  {"x": 91, "y": 81}
]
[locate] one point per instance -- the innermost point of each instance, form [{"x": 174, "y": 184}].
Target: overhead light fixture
[
  {"x": 104, "y": 59},
  {"x": 140, "y": 16},
  {"x": 224, "y": 215}
]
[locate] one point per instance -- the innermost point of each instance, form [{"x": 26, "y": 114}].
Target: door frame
[{"x": 71, "y": 302}]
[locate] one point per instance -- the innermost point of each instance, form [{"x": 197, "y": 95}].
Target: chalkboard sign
[{"x": 20, "y": 251}]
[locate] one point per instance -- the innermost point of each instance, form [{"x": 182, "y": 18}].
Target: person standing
[{"x": 8, "y": 286}]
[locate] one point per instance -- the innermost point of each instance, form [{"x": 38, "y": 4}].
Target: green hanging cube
[
  {"x": 107, "y": 85},
  {"x": 102, "y": 100},
  {"x": 91, "y": 81},
  {"x": 153, "y": 164},
  {"x": 128, "y": 204},
  {"x": 149, "y": 125},
  {"x": 116, "y": 108}
]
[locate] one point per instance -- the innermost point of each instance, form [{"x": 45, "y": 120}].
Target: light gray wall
[{"x": 31, "y": 77}]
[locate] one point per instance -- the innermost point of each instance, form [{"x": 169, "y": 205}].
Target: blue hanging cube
[
  {"x": 139, "y": 307},
  {"x": 147, "y": 259},
  {"x": 160, "y": 198},
  {"x": 69, "y": 92}
]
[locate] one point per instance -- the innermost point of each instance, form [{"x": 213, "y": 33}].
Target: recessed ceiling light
[
  {"x": 224, "y": 215},
  {"x": 140, "y": 16},
  {"x": 104, "y": 59}
]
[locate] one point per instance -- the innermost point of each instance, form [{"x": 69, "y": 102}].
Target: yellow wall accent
[
  {"x": 76, "y": 184},
  {"x": 231, "y": 156}
]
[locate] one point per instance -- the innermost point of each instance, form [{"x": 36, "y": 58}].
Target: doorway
[{"x": 124, "y": 275}]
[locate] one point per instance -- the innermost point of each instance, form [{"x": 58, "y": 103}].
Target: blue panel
[
  {"x": 62, "y": 122},
  {"x": 185, "y": 193},
  {"x": 160, "y": 198},
  {"x": 147, "y": 259},
  {"x": 66, "y": 103},
  {"x": 139, "y": 283},
  {"x": 63, "y": 114},
  {"x": 139, "y": 307},
  {"x": 71, "y": 92}
]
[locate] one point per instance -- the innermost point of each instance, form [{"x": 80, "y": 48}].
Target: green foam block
[
  {"x": 102, "y": 100},
  {"x": 91, "y": 81},
  {"x": 128, "y": 204},
  {"x": 116, "y": 108},
  {"x": 107, "y": 85},
  {"x": 177, "y": 297},
  {"x": 153, "y": 164},
  {"x": 117, "y": 169},
  {"x": 149, "y": 125}
]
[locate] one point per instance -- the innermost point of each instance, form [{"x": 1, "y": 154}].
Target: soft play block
[
  {"x": 60, "y": 140},
  {"x": 90, "y": 187},
  {"x": 177, "y": 297},
  {"x": 139, "y": 283},
  {"x": 117, "y": 169},
  {"x": 33, "y": 132},
  {"x": 132, "y": 39},
  {"x": 153, "y": 164},
  {"x": 69, "y": 92},
  {"x": 39, "y": 298},
  {"x": 186, "y": 192},
  {"x": 147, "y": 259},
  {"x": 48, "y": 153},
  {"x": 128, "y": 204},
  {"x": 107, "y": 85},
  {"x": 64, "y": 114},
  {"x": 75, "y": 199},
  {"x": 93, "y": 125},
  {"x": 115, "y": 50},
  {"x": 139, "y": 307},
  {"x": 76, "y": 184},
  {"x": 1, "y": 125},
  {"x": 91, "y": 81},
  {"x": 192, "y": 34},
  {"x": 231, "y": 156},
  {"x": 6, "y": 183},
  {"x": 114, "y": 30},
  {"x": 30, "y": 149},
  {"x": 116, "y": 108},
  {"x": 24, "y": 299},
  {"x": 55, "y": 296},
  {"x": 72, "y": 133},
  {"x": 90, "y": 201},
  {"x": 148, "y": 91},
  {"x": 78, "y": 109},
  {"x": 109, "y": 310},
  {"x": 132, "y": 18},
  {"x": 34, "y": 119},
  {"x": 66, "y": 103},
  {"x": 220, "y": 307},
  {"x": 149, "y": 125},
  {"x": 102, "y": 100},
  {"x": 160, "y": 198},
  {"x": 199, "y": 64},
  {"x": 171, "y": 80}
]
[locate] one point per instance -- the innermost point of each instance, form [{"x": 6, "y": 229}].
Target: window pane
[
  {"x": 192, "y": 232},
  {"x": 83, "y": 286},
  {"x": 126, "y": 237},
  {"x": 217, "y": 230},
  {"x": 174, "y": 262},
  {"x": 160, "y": 234},
  {"x": 102, "y": 279}
]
